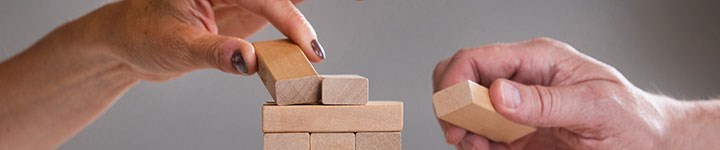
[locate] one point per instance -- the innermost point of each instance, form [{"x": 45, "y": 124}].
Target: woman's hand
[
  {"x": 161, "y": 39},
  {"x": 67, "y": 79},
  {"x": 575, "y": 101}
]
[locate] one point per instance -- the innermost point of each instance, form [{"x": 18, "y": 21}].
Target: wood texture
[
  {"x": 332, "y": 141},
  {"x": 378, "y": 141},
  {"x": 344, "y": 89},
  {"x": 286, "y": 141},
  {"x": 304, "y": 90},
  {"x": 375, "y": 116},
  {"x": 467, "y": 105},
  {"x": 282, "y": 61}
]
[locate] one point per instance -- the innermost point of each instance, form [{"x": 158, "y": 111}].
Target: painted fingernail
[
  {"x": 239, "y": 63},
  {"x": 318, "y": 49},
  {"x": 511, "y": 95}
]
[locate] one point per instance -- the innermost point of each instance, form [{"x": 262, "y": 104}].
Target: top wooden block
[
  {"x": 344, "y": 89},
  {"x": 467, "y": 105},
  {"x": 283, "y": 61}
]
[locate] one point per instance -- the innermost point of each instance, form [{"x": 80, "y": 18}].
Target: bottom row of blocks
[{"x": 333, "y": 141}]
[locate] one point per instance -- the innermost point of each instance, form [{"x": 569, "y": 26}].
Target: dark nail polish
[
  {"x": 239, "y": 63},
  {"x": 318, "y": 49}
]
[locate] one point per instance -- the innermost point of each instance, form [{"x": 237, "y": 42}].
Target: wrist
[
  {"x": 90, "y": 39},
  {"x": 93, "y": 33},
  {"x": 693, "y": 124},
  {"x": 79, "y": 45}
]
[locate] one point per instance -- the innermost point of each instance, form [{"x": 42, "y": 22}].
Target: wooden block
[
  {"x": 286, "y": 72},
  {"x": 378, "y": 141},
  {"x": 304, "y": 90},
  {"x": 375, "y": 116},
  {"x": 344, "y": 89},
  {"x": 332, "y": 141},
  {"x": 467, "y": 105},
  {"x": 286, "y": 141}
]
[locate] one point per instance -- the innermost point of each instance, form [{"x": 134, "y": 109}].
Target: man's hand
[{"x": 575, "y": 101}]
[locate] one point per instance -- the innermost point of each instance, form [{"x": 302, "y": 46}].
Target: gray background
[{"x": 661, "y": 45}]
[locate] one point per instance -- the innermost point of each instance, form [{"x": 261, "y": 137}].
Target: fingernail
[
  {"x": 239, "y": 63},
  {"x": 318, "y": 49},
  {"x": 511, "y": 95}
]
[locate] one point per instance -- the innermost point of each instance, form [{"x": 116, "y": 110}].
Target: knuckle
[
  {"x": 543, "y": 40},
  {"x": 212, "y": 53},
  {"x": 206, "y": 52},
  {"x": 466, "y": 52},
  {"x": 439, "y": 71},
  {"x": 545, "y": 108},
  {"x": 462, "y": 53},
  {"x": 294, "y": 16},
  {"x": 552, "y": 44},
  {"x": 442, "y": 63},
  {"x": 490, "y": 49},
  {"x": 440, "y": 66},
  {"x": 494, "y": 47}
]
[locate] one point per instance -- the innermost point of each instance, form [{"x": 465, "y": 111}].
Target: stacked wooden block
[{"x": 321, "y": 112}]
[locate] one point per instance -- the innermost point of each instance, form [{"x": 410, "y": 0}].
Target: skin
[
  {"x": 62, "y": 83},
  {"x": 575, "y": 101}
]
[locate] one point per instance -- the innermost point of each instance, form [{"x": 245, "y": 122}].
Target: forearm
[
  {"x": 695, "y": 125},
  {"x": 58, "y": 86}
]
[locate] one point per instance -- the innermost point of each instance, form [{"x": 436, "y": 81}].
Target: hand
[
  {"x": 162, "y": 39},
  {"x": 575, "y": 101},
  {"x": 58, "y": 86}
]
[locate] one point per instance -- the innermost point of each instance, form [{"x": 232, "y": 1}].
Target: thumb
[
  {"x": 228, "y": 54},
  {"x": 542, "y": 106}
]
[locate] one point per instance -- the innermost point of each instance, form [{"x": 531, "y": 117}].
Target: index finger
[
  {"x": 292, "y": 23},
  {"x": 481, "y": 65}
]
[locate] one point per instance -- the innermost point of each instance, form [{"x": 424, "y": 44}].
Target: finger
[
  {"x": 500, "y": 146},
  {"x": 453, "y": 134},
  {"x": 238, "y": 21},
  {"x": 533, "y": 61},
  {"x": 225, "y": 53},
  {"x": 559, "y": 106},
  {"x": 474, "y": 142},
  {"x": 480, "y": 65},
  {"x": 292, "y": 23},
  {"x": 438, "y": 73}
]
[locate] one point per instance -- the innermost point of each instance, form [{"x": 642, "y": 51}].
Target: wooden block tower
[{"x": 321, "y": 112}]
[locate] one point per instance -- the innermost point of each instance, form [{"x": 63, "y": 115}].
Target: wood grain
[
  {"x": 286, "y": 141},
  {"x": 375, "y": 116},
  {"x": 467, "y": 105},
  {"x": 283, "y": 60},
  {"x": 378, "y": 141},
  {"x": 344, "y": 89},
  {"x": 303, "y": 90},
  {"x": 332, "y": 141}
]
